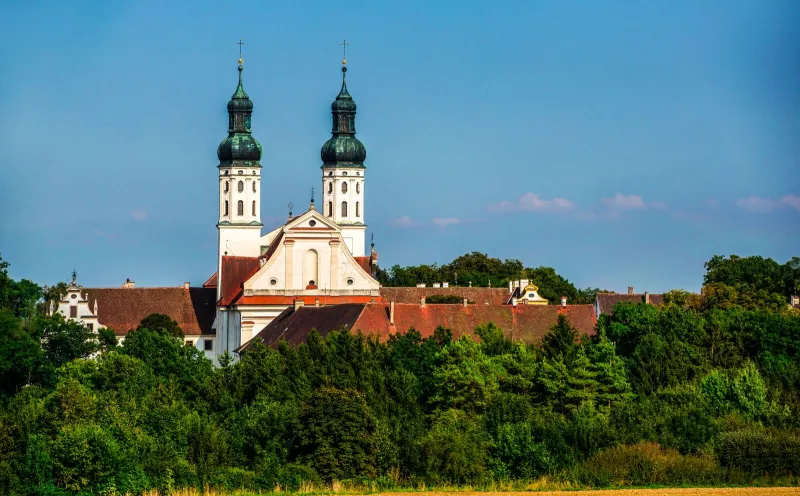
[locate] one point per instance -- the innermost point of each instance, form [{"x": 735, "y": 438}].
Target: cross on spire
[
  {"x": 240, "y": 43},
  {"x": 312, "y": 194},
  {"x": 344, "y": 45},
  {"x": 74, "y": 276}
]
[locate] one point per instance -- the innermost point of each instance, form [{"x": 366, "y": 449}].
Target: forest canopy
[{"x": 701, "y": 390}]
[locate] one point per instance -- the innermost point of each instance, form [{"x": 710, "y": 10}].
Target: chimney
[
  {"x": 445, "y": 284},
  {"x": 186, "y": 286},
  {"x": 316, "y": 302},
  {"x": 563, "y": 302},
  {"x": 647, "y": 297},
  {"x": 795, "y": 300},
  {"x": 391, "y": 313},
  {"x": 129, "y": 284},
  {"x": 630, "y": 290},
  {"x": 514, "y": 302},
  {"x": 422, "y": 302},
  {"x": 466, "y": 302},
  {"x": 298, "y": 303},
  {"x": 421, "y": 285},
  {"x": 470, "y": 284}
]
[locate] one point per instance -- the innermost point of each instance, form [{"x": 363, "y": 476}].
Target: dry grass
[{"x": 718, "y": 491}]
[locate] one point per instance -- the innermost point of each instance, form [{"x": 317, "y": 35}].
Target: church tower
[
  {"x": 343, "y": 172},
  {"x": 239, "y": 154}
]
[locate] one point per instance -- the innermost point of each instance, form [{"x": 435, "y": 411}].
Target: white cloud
[
  {"x": 404, "y": 221},
  {"x": 757, "y": 204},
  {"x": 791, "y": 200},
  {"x": 139, "y": 215},
  {"x": 445, "y": 221},
  {"x": 624, "y": 202},
  {"x": 531, "y": 202}
]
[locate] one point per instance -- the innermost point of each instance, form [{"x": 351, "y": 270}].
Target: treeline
[
  {"x": 481, "y": 270},
  {"x": 686, "y": 393}
]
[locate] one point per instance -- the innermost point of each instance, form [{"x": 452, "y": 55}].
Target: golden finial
[
  {"x": 344, "y": 44},
  {"x": 240, "y": 43}
]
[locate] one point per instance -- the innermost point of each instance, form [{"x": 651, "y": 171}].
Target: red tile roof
[
  {"x": 307, "y": 300},
  {"x": 606, "y": 301},
  {"x": 526, "y": 323},
  {"x": 235, "y": 271},
  {"x": 211, "y": 282},
  {"x": 495, "y": 296},
  {"x": 365, "y": 263},
  {"x": 123, "y": 308}
]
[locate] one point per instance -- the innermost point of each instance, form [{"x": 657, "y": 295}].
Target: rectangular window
[
  {"x": 73, "y": 312},
  {"x": 90, "y": 327},
  {"x": 208, "y": 345},
  {"x": 189, "y": 343}
]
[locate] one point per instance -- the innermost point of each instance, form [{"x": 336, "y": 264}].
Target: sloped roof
[
  {"x": 235, "y": 271},
  {"x": 606, "y": 301},
  {"x": 123, "y": 308},
  {"x": 295, "y": 326},
  {"x": 526, "y": 323},
  {"x": 495, "y": 296},
  {"x": 211, "y": 282},
  {"x": 365, "y": 263}
]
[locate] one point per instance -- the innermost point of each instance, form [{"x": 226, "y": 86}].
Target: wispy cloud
[
  {"x": 445, "y": 221},
  {"x": 139, "y": 215},
  {"x": 631, "y": 202},
  {"x": 756, "y": 204},
  {"x": 531, "y": 202},
  {"x": 404, "y": 221},
  {"x": 792, "y": 201}
]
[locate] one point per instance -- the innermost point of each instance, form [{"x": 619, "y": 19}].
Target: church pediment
[{"x": 312, "y": 220}]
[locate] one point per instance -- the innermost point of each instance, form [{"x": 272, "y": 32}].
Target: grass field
[{"x": 716, "y": 491}]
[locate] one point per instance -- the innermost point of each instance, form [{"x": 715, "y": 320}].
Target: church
[{"x": 315, "y": 272}]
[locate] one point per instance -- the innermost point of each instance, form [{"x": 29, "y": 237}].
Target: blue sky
[{"x": 623, "y": 143}]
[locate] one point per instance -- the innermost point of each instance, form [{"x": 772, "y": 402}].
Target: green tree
[
  {"x": 64, "y": 340},
  {"x": 161, "y": 323},
  {"x": 454, "y": 448},
  {"x": 21, "y": 358},
  {"x": 336, "y": 434},
  {"x": 560, "y": 340}
]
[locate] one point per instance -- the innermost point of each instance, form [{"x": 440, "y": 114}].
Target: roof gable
[
  {"x": 303, "y": 223},
  {"x": 235, "y": 271}
]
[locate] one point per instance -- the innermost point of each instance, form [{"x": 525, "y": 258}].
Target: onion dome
[
  {"x": 240, "y": 147},
  {"x": 343, "y": 149}
]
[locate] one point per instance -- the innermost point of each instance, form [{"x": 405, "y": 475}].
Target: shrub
[
  {"x": 760, "y": 452},
  {"x": 647, "y": 463}
]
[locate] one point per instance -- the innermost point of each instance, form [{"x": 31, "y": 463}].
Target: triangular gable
[{"x": 301, "y": 222}]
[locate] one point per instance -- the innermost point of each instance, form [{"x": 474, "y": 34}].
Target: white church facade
[{"x": 316, "y": 258}]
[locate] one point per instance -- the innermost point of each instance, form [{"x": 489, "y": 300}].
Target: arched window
[
  {"x": 240, "y": 208},
  {"x": 358, "y": 209},
  {"x": 226, "y": 208},
  {"x": 344, "y": 187},
  {"x": 226, "y": 186},
  {"x": 254, "y": 186},
  {"x": 330, "y": 209},
  {"x": 344, "y": 209},
  {"x": 330, "y": 186},
  {"x": 311, "y": 268},
  {"x": 254, "y": 209},
  {"x": 358, "y": 187},
  {"x": 241, "y": 186}
]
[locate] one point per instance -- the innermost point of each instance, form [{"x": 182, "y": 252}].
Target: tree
[
  {"x": 64, "y": 340},
  {"x": 161, "y": 323},
  {"x": 336, "y": 434},
  {"x": 560, "y": 340},
  {"x": 20, "y": 355},
  {"x": 454, "y": 448}
]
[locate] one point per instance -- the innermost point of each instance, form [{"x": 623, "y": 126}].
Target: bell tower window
[
  {"x": 358, "y": 209},
  {"x": 254, "y": 186},
  {"x": 254, "y": 209},
  {"x": 241, "y": 186},
  {"x": 358, "y": 187},
  {"x": 330, "y": 187},
  {"x": 226, "y": 186},
  {"x": 330, "y": 209},
  {"x": 344, "y": 187},
  {"x": 344, "y": 209},
  {"x": 226, "y": 208},
  {"x": 240, "y": 208}
]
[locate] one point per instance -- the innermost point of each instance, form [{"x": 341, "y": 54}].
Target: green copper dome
[
  {"x": 343, "y": 149},
  {"x": 240, "y": 147}
]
